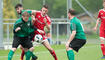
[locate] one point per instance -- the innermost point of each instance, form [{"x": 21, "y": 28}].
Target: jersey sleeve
[
  {"x": 17, "y": 24},
  {"x": 98, "y": 15},
  {"x": 73, "y": 26}
]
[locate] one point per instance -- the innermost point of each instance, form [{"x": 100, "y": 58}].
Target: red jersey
[
  {"x": 39, "y": 23},
  {"x": 101, "y": 15}
]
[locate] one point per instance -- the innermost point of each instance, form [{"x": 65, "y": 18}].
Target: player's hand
[
  {"x": 67, "y": 45},
  {"x": 17, "y": 29},
  {"x": 33, "y": 19},
  {"x": 95, "y": 28},
  {"x": 40, "y": 31},
  {"x": 45, "y": 20}
]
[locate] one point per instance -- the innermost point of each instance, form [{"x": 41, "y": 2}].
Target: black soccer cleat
[
  {"x": 103, "y": 57},
  {"x": 35, "y": 58}
]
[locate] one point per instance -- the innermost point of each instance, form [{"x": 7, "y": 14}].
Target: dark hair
[
  {"x": 72, "y": 12},
  {"x": 18, "y": 5},
  {"x": 103, "y": 0},
  {"x": 45, "y": 6}
]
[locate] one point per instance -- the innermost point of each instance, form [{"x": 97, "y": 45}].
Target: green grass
[{"x": 88, "y": 52}]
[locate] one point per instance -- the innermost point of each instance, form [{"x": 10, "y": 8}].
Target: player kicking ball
[
  {"x": 42, "y": 20},
  {"x": 77, "y": 38},
  {"x": 101, "y": 18},
  {"x": 23, "y": 27}
]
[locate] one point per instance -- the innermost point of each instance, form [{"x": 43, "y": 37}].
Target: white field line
[{"x": 43, "y": 52}]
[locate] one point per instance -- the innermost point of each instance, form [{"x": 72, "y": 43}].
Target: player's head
[
  {"x": 25, "y": 16},
  {"x": 104, "y": 3},
  {"x": 71, "y": 13},
  {"x": 44, "y": 9},
  {"x": 19, "y": 8}
]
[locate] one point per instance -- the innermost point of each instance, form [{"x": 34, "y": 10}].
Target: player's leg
[
  {"x": 31, "y": 37},
  {"x": 70, "y": 53},
  {"x": 15, "y": 44},
  {"x": 47, "y": 45},
  {"x": 22, "y": 53},
  {"x": 75, "y": 44},
  {"x": 28, "y": 44},
  {"x": 102, "y": 43},
  {"x": 28, "y": 53}
]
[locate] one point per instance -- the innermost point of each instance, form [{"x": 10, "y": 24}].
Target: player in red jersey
[
  {"x": 42, "y": 20},
  {"x": 101, "y": 18}
]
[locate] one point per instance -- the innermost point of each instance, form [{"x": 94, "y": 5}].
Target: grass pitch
[{"x": 88, "y": 52}]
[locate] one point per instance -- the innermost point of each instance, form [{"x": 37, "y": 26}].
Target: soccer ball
[{"x": 38, "y": 38}]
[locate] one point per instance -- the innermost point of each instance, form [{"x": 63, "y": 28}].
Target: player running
[
  {"x": 20, "y": 10},
  {"x": 101, "y": 18},
  {"x": 42, "y": 20},
  {"x": 77, "y": 38}
]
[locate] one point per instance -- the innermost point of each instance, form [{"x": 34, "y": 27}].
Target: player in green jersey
[
  {"x": 23, "y": 27},
  {"x": 20, "y": 10},
  {"x": 77, "y": 38}
]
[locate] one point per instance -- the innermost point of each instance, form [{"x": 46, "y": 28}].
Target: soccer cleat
[
  {"x": 103, "y": 57},
  {"x": 35, "y": 58}
]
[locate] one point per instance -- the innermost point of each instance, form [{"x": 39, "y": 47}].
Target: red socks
[
  {"x": 103, "y": 48},
  {"x": 22, "y": 54},
  {"x": 54, "y": 55}
]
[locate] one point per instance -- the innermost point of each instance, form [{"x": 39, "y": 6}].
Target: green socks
[
  {"x": 70, "y": 55},
  {"x": 33, "y": 56},
  {"x": 28, "y": 55},
  {"x": 10, "y": 55}
]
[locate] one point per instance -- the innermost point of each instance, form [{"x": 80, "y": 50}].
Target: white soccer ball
[{"x": 38, "y": 38}]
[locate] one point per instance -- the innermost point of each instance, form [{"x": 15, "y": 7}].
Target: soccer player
[
  {"x": 23, "y": 27},
  {"x": 101, "y": 18},
  {"x": 77, "y": 38},
  {"x": 42, "y": 20},
  {"x": 20, "y": 10}
]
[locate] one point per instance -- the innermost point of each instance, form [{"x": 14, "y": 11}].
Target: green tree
[{"x": 8, "y": 10}]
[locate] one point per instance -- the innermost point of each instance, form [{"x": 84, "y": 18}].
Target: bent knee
[
  {"x": 31, "y": 49},
  {"x": 13, "y": 49}
]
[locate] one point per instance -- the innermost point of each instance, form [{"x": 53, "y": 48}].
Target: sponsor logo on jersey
[
  {"x": 38, "y": 16},
  {"x": 28, "y": 24},
  {"x": 101, "y": 13}
]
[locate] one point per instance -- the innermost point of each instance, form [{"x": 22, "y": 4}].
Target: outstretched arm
[
  {"x": 97, "y": 22},
  {"x": 47, "y": 25}
]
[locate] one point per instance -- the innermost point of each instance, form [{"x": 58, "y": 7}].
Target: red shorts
[{"x": 102, "y": 33}]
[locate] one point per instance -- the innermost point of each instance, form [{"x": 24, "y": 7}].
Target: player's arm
[
  {"x": 70, "y": 38},
  {"x": 97, "y": 22},
  {"x": 47, "y": 25},
  {"x": 17, "y": 26},
  {"x": 33, "y": 18},
  {"x": 73, "y": 30},
  {"x": 40, "y": 31},
  {"x": 34, "y": 11},
  {"x": 36, "y": 29}
]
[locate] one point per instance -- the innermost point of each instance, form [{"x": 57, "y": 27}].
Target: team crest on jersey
[
  {"x": 101, "y": 13},
  {"x": 39, "y": 16}
]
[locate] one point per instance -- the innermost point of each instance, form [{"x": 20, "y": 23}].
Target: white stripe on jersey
[{"x": 48, "y": 18}]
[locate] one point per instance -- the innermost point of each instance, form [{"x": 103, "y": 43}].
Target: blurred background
[{"x": 87, "y": 13}]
